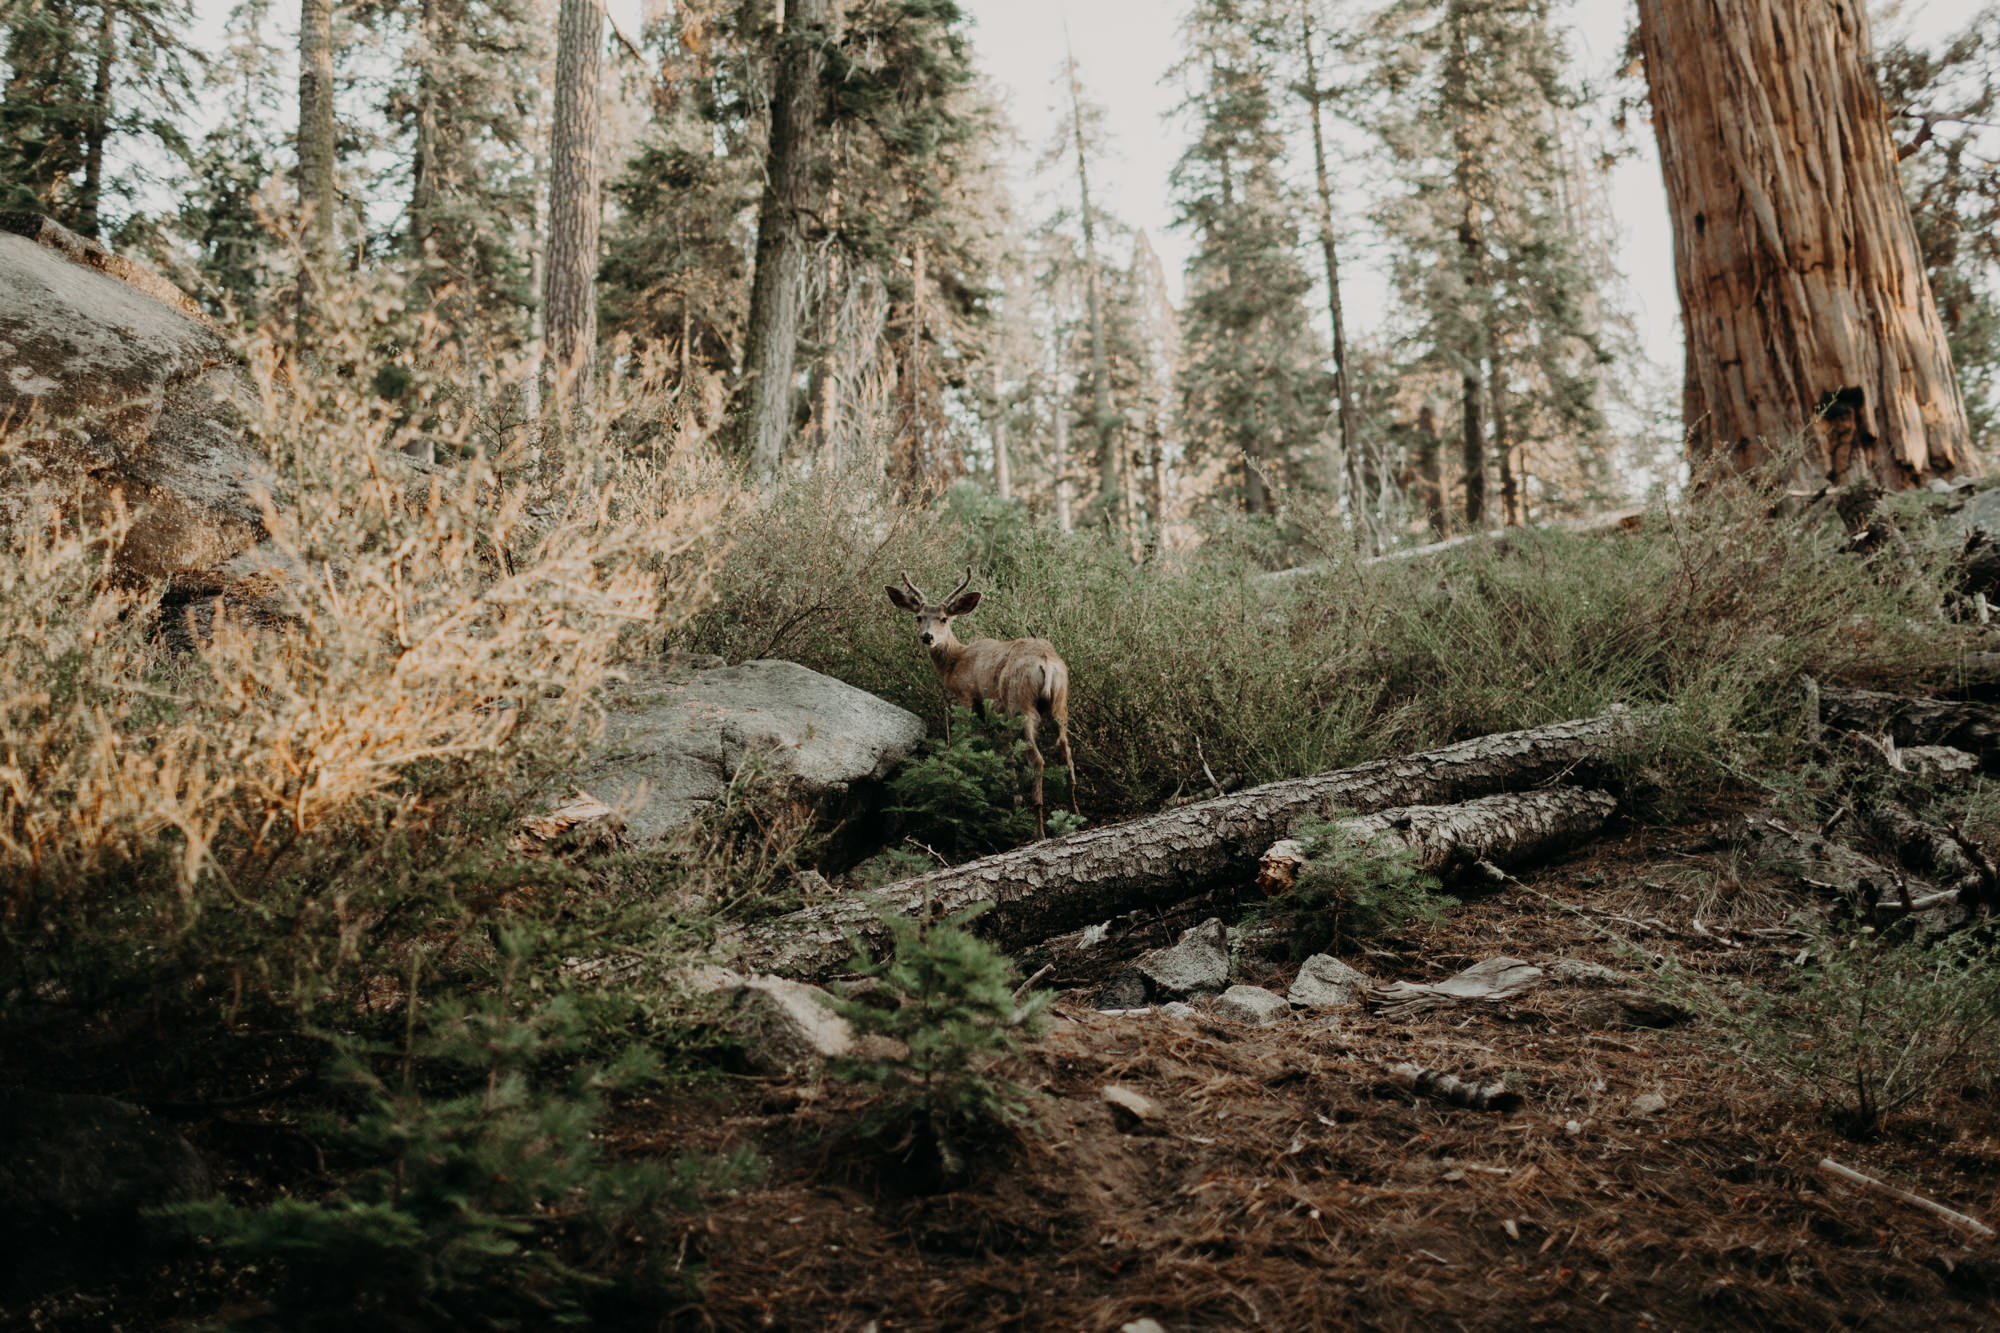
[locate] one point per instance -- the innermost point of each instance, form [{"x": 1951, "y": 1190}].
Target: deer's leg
[
  {"x": 1069, "y": 761},
  {"x": 979, "y": 707},
  {"x": 1041, "y": 814}
]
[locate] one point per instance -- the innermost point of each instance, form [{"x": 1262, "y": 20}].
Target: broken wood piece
[
  {"x": 1915, "y": 720},
  {"x": 1455, "y": 1090},
  {"x": 581, "y": 808},
  {"x": 1487, "y": 982},
  {"x": 1950, "y": 1216},
  {"x": 1823, "y": 863},
  {"x": 1137, "y": 1105},
  {"x": 1049, "y": 887},
  {"x": 1279, "y": 868}
]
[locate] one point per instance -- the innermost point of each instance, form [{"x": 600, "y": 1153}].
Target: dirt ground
[{"x": 1288, "y": 1182}]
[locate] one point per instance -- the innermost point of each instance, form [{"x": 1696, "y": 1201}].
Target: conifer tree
[
  {"x": 1484, "y": 250},
  {"x": 79, "y": 75},
  {"x": 1252, "y": 384}
]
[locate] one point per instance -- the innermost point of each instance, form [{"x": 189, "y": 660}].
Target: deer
[{"x": 1024, "y": 677}]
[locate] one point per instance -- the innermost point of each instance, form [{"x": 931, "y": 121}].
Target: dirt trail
[{"x": 1289, "y": 1183}]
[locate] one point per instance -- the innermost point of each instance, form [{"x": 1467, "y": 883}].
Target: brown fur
[{"x": 1024, "y": 677}]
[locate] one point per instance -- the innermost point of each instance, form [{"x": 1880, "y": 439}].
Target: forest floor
[{"x": 1288, "y": 1182}]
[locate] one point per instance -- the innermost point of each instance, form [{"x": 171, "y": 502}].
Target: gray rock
[
  {"x": 1981, "y": 511},
  {"x": 1324, "y": 982},
  {"x": 1651, "y": 1103},
  {"x": 787, "y": 1028},
  {"x": 78, "y": 1175},
  {"x": 1251, "y": 1004},
  {"x": 683, "y": 735},
  {"x": 117, "y": 384},
  {"x": 1125, "y": 990},
  {"x": 1196, "y": 964},
  {"x": 1179, "y": 1010}
]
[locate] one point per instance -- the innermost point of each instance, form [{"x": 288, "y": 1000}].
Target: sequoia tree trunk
[
  {"x": 1802, "y": 291},
  {"x": 318, "y": 199},
  {"x": 1049, "y": 887},
  {"x": 778, "y": 286}
]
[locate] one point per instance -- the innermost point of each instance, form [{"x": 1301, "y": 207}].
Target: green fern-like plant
[
  {"x": 955, "y": 1015},
  {"x": 1353, "y": 888}
]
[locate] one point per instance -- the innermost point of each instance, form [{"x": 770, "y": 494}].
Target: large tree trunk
[
  {"x": 777, "y": 290},
  {"x": 1802, "y": 292},
  {"x": 569, "y": 296},
  {"x": 1049, "y": 887},
  {"x": 317, "y": 201}
]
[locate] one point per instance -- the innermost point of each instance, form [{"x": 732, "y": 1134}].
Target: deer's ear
[
  {"x": 902, "y": 600},
  {"x": 962, "y": 604}
]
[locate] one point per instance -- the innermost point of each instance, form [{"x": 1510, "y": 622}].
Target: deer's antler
[
  {"x": 963, "y": 584},
  {"x": 915, "y": 591}
]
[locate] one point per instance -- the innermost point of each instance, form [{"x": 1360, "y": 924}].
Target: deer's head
[{"x": 934, "y": 618}]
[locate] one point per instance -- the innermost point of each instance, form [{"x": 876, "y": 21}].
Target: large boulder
[
  {"x": 79, "y": 1178},
  {"x": 681, "y": 735},
  {"x": 114, "y": 383}
]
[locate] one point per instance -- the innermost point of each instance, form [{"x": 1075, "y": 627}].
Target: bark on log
[
  {"x": 1821, "y": 862},
  {"x": 1049, "y": 887},
  {"x": 1910, "y": 720}
]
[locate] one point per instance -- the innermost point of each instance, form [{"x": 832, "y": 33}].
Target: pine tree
[
  {"x": 569, "y": 291},
  {"x": 1252, "y": 383},
  {"x": 1485, "y": 252},
  {"x": 81, "y": 74},
  {"x": 219, "y": 214}
]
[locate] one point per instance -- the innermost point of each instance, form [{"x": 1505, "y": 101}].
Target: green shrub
[
  {"x": 953, "y": 1010},
  {"x": 972, "y": 790},
  {"x": 482, "y": 1197},
  {"x": 1354, "y": 888},
  {"x": 1874, "y": 1025}
]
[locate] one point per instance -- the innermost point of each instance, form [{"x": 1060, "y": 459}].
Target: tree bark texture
[
  {"x": 1802, "y": 291},
  {"x": 569, "y": 296},
  {"x": 1111, "y": 494},
  {"x": 317, "y": 199},
  {"x": 90, "y": 203},
  {"x": 778, "y": 287},
  {"x": 1064, "y": 883},
  {"x": 1507, "y": 829}
]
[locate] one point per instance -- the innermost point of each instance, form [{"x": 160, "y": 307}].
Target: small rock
[
  {"x": 1197, "y": 963},
  {"x": 1577, "y": 972},
  {"x": 1251, "y": 1004},
  {"x": 1142, "y": 1326},
  {"x": 1932, "y": 761},
  {"x": 1125, "y": 990},
  {"x": 1651, "y": 1103},
  {"x": 1572, "y": 1128},
  {"x": 1179, "y": 1010},
  {"x": 1324, "y": 982},
  {"x": 786, "y": 1027},
  {"x": 1135, "y": 1106}
]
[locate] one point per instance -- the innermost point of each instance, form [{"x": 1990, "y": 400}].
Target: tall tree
[
  {"x": 1083, "y": 132},
  {"x": 1802, "y": 291},
  {"x": 569, "y": 292},
  {"x": 319, "y": 202},
  {"x": 1252, "y": 387},
  {"x": 79, "y": 75},
  {"x": 777, "y": 293}
]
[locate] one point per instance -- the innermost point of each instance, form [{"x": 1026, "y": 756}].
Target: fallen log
[
  {"x": 1049, "y": 887},
  {"x": 1502, "y": 540},
  {"x": 1913, "y": 720}
]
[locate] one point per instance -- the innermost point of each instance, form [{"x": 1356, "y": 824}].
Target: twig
[
  {"x": 1950, "y": 1216},
  {"x": 1205, "y": 768},
  {"x": 1025, "y": 986}
]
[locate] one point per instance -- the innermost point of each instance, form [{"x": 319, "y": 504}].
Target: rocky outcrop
[
  {"x": 677, "y": 737},
  {"x": 113, "y": 383}
]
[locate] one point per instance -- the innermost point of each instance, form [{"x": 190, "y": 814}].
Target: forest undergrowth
[{"x": 263, "y": 875}]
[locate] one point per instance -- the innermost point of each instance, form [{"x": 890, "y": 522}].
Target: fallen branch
[
  {"x": 1617, "y": 520},
  {"x": 1950, "y": 1216},
  {"x": 1455, "y": 1090},
  {"x": 1912, "y": 720},
  {"x": 1049, "y": 887}
]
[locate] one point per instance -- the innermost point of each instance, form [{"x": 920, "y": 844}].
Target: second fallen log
[{"x": 1049, "y": 887}]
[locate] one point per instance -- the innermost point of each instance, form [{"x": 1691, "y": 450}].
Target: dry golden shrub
[{"x": 446, "y": 620}]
